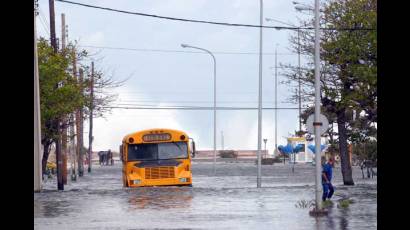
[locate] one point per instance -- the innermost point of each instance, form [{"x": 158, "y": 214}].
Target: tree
[
  {"x": 348, "y": 71},
  {"x": 366, "y": 150},
  {"x": 102, "y": 96},
  {"x": 228, "y": 154},
  {"x": 59, "y": 92}
]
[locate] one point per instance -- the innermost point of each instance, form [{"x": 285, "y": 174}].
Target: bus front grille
[{"x": 159, "y": 172}]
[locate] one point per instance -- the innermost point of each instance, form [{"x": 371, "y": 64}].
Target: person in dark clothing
[
  {"x": 100, "y": 156},
  {"x": 328, "y": 188},
  {"x": 104, "y": 158},
  {"x": 109, "y": 157}
]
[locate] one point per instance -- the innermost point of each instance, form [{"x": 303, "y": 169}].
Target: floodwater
[{"x": 228, "y": 200}]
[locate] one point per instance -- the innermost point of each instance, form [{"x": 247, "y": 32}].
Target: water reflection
[
  {"x": 334, "y": 214},
  {"x": 159, "y": 198},
  {"x": 330, "y": 224},
  {"x": 344, "y": 223},
  {"x": 50, "y": 208}
]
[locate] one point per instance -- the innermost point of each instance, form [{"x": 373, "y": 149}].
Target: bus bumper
[{"x": 138, "y": 182}]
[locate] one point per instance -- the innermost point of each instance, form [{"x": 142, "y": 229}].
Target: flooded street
[{"x": 229, "y": 200}]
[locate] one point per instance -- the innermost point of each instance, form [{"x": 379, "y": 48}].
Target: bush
[
  {"x": 228, "y": 154},
  {"x": 278, "y": 159},
  {"x": 268, "y": 161}
]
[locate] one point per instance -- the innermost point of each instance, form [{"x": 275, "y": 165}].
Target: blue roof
[
  {"x": 313, "y": 148},
  {"x": 288, "y": 149}
]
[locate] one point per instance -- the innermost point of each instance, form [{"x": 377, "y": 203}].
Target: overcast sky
[{"x": 172, "y": 78}]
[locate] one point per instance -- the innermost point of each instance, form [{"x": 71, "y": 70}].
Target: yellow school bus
[{"x": 157, "y": 157}]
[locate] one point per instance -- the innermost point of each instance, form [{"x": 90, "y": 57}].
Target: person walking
[
  {"x": 327, "y": 172},
  {"x": 100, "y": 157},
  {"x": 105, "y": 157},
  {"x": 109, "y": 157}
]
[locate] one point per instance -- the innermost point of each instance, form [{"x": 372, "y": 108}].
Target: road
[{"x": 228, "y": 200}]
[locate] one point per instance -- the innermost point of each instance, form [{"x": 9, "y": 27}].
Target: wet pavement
[{"x": 228, "y": 200}]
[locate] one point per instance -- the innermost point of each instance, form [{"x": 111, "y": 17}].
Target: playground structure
[{"x": 300, "y": 150}]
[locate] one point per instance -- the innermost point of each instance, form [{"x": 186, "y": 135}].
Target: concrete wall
[{"x": 205, "y": 154}]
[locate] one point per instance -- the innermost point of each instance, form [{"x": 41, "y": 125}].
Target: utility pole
[
  {"x": 74, "y": 122},
  {"x": 60, "y": 184},
  {"x": 300, "y": 92},
  {"x": 63, "y": 36},
  {"x": 276, "y": 102},
  {"x": 37, "y": 120},
  {"x": 72, "y": 148},
  {"x": 53, "y": 39},
  {"x": 317, "y": 124},
  {"x": 64, "y": 120},
  {"x": 80, "y": 131},
  {"x": 90, "y": 134}
]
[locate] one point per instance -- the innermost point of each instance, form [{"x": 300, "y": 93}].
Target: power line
[
  {"x": 196, "y": 108},
  {"x": 167, "y": 106},
  {"x": 43, "y": 29},
  {"x": 124, "y": 102},
  {"x": 43, "y": 21},
  {"x": 178, "y": 51},
  {"x": 182, "y": 92},
  {"x": 205, "y": 22}
]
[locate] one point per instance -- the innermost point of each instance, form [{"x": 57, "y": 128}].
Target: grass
[
  {"x": 344, "y": 203},
  {"x": 327, "y": 203}
]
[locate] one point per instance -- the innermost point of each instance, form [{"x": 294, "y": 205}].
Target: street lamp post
[
  {"x": 316, "y": 123},
  {"x": 299, "y": 78},
  {"x": 276, "y": 100},
  {"x": 258, "y": 180},
  {"x": 213, "y": 57}
]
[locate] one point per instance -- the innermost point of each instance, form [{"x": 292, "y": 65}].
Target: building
[{"x": 303, "y": 156}]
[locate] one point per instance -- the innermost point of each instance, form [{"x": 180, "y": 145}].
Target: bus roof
[{"x": 154, "y": 129}]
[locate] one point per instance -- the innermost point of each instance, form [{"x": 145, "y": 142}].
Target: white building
[{"x": 305, "y": 155}]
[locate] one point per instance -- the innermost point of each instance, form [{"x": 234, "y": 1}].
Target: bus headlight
[
  {"x": 136, "y": 181},
  {"x": 182, "y": 180}
]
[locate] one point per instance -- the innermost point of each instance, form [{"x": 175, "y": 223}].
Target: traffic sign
[{"x": 322, "y": 120}]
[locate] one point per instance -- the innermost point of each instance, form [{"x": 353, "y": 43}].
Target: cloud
[
  {"x": 94, "y": 39},
  {"x": 109, "y": 131}
]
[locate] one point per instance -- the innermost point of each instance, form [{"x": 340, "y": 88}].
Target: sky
[{"x": 181, "y": 78}]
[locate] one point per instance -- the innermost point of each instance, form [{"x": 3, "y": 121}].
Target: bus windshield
[{"x": 157, "y": 151}]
